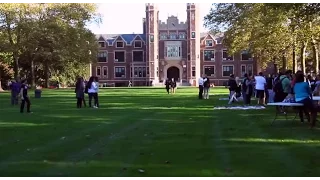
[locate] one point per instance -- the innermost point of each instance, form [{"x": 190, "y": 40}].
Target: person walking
[
  {"x": 79, "y": 92},
  {"x": 200, "y": 84},
  {"x": 24, "y": 97}
]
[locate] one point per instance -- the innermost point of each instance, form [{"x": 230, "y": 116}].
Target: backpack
[
  {"x": 86, "y": 89},
  {"x": 277, "y": 88},
  {"x": 244, "y": 85}
]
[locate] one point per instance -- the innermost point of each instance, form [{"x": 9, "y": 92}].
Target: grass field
[{"x": 146, "y": 129}]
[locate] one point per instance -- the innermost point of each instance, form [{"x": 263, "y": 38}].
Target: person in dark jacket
[
  {"x": 84, "y": 98},
  {"x": 167, "y": 84},
  {"x": 249, "y": 89},
  {"x": 15, "y": 90},
  {"x": 232, "y": 84},
  {"x": 206, "y": 87},
  {"x": 79, "y": 92},
  {"x": 244, "y": 88},
  {"x": 24, "y": 97},
  {"x": 269, "y": 89}
]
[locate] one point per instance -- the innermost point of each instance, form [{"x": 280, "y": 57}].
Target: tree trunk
[
  {"x": 315, "y": 51},
  {"x": 46, "y": 72},
  {"x": 1, "y": 90},
  {"x": 16, "y": 67},
  {"x": 294, "y": 59},
  {"x": 33, "y": 84},
  {"x": 303, "y": 56},
  {"x": 284, "y": 62}
]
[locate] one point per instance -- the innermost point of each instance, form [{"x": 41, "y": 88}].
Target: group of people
[
  {"x": 204, "y": 87},
  {"x": 91, "y": 88},
  {"x": 171, "y": 85},
  {"x": 282, "y": 87},
  {"x": 19, "y": 89}
]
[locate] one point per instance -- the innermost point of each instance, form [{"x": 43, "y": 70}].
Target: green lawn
[{"x": 164, "y": 135}]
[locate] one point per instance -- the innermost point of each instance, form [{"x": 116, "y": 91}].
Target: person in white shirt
[
  {"x": 200, "y": 83},
  {"x": 260, "y": 87},
  {"x": 93, "y": 91}
]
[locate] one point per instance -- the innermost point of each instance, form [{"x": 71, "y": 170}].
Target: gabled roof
[
  {"x": 111, "y": 38},
  {"x": 217, "y": 37}
]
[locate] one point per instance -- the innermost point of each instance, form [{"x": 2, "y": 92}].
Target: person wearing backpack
[
  {"x": 282, "y": 86},
  {"x": 244, "y": 88}
]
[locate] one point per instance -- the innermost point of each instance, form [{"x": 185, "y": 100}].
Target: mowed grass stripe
[
  {"x": 142, "y": 149},
  {"x": 57, "y": 148},
  {"x": 220, "y": 149},
  {"x": 73, "y": 135},
  {"x": 195, "y": 139},
  {"x": 85, "y": 153},
  {"x": 270, "y": 154}
]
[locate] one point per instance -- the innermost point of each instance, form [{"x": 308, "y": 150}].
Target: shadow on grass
[{"x": 135, "y": 131}]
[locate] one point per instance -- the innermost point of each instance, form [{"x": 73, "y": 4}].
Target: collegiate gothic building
[{"x": 171, "y": 49}]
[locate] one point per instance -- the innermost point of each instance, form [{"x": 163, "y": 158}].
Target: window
[
  {"x": 163, "y": 36},
  {"x": 139, "y": 72},
  {"x": 227, "y": 70},
  {"x": 173, "y": 51},
  {"x": 182, "y": 35},
  {"x": 119, "y": 72},
  {"x": 137, "y": 44},
  {"x": 102, "y": 56},
  {"x": 249, "y": 67},
  {"x": 98, "y": 71},
  {"x": 137, "y": 56},
  {"x": 208, "y": 55},
  {"x": 105, "y": 71},
  {"x": 245, "y": 56},
  {"x": 225, "y": 56},
  {"x": 193, "y": 72},
  {"x": 209, "y": 43},
  {"x": 101, "y": 44},
  {"x": 151, "y": 38},
  {"x": 119, "y": 56},
  {"x": 120, "y": 44},
  {"x": 209, "y": 70},
  {"x": 173, "y": 36},
  {"x": 193, "y": 35},
  {"x": 243, "y": 70}
]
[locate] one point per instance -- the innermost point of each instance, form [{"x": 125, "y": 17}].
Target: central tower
[
  {"x": 152, "y": 42},
  {"x": 193, "y": 43}
]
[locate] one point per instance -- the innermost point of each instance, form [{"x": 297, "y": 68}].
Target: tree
[
  {"x": 48, "y": 39},
  {"x": 270, "y": 31}
]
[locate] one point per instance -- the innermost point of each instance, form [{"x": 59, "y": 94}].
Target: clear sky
[{"x": 127, "y": 18}]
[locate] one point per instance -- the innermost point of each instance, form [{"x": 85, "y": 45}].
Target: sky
[{"x": 127, "y": 18}]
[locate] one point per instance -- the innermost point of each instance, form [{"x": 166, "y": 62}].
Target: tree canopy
[
  {"x": 271, "y": 32},
  {"x": 45, "y": 42}
]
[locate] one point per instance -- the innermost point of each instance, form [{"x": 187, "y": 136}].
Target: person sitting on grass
[{"x": 303, "y": 95}]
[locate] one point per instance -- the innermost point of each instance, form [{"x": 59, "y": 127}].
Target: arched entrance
[{"x": 173, "y": 72}]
